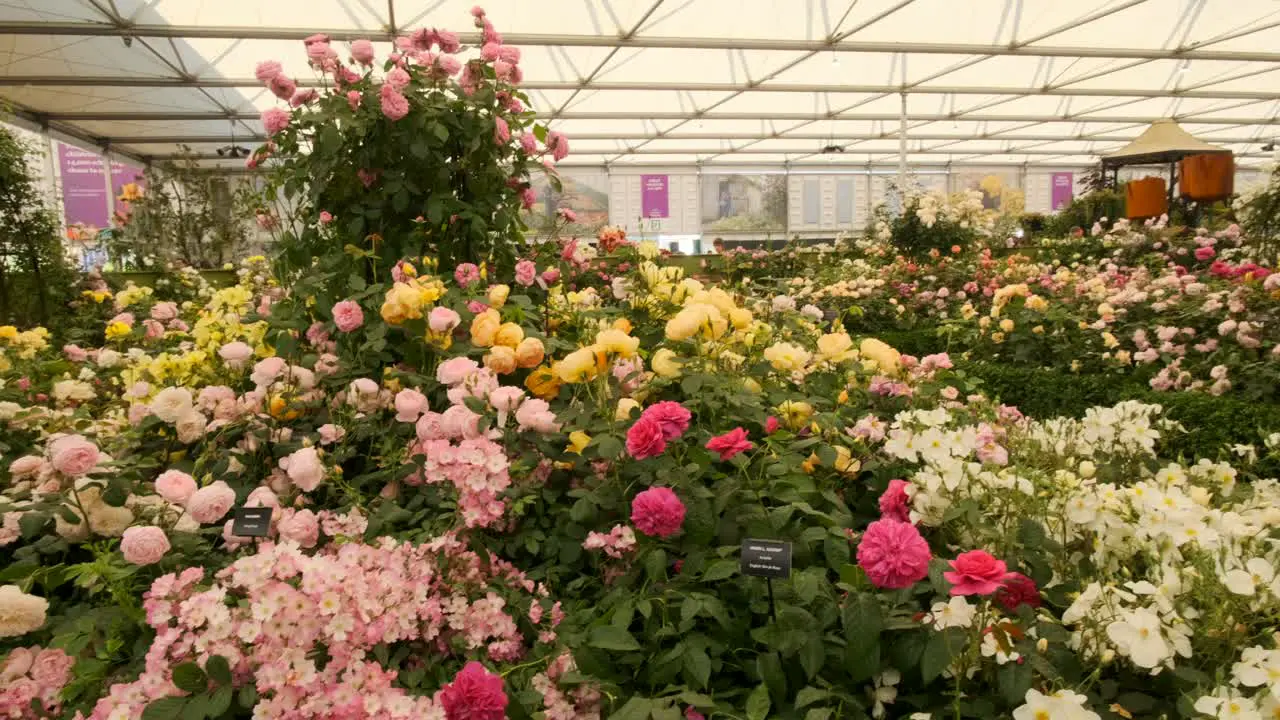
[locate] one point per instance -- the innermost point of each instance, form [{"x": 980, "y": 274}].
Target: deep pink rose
[
  {"x": 657, "y": 512},
  {"x": 474, "y": 694},
  {"x": 771, "y": 425},
  {"x": 671, "y": 416},
  {"x": 526, "y": 272},
  {"x": 645, "y": 439},
  {"x": 893, "y": 554},
  {"x": 975, "y": 572},
  {"x": 144, "y": 544},
  {"x": 731, "y": 443},
  {"x": 1018, "y": 589},
  {"x": 894, "y": 502}
]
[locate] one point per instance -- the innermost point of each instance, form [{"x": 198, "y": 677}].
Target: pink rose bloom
[
  {"x": 17, "y": 664},
  {"x": 73, "y": 455},
  {"x": 330, "y": 433},
  {"x": 1016, "y": 590},
  {"x": 394, "y": 105},
  {"x": 645, "y": 439},
  {"x": 153, "y": 329},
  {"x": 527, "y": 199},
  {"x": 27, "y": 466},
  {"x": 362, "y": 52},
  {"x": 893, "y": 554},
  {"x": 304, "y": 468},
  {"x": 1204, "y": 253},
  {"x": 474, "y": 694},
  {"x": 303, "y": 97},
  {"x": 144, "y": 544},
  {"x": 976, "y": 573},
  {"x": 443, "y": 320},
  {"x": 267, "y": 370},
  {"x": 475, "y": 307},
  {"x": 535, "y": 414},
  {"x": 528, "y": 143},
  {"x": 550, "y": 276},
  {"x": 489, "y": 52},
  {"x": 275, "y": 120},
  {"x": 455, "y": 370},
  {"x": 209, "y": 504},
  {"x": 557, "y": 145},
  {"x": 501, "y": 131},
  {"x": 771, "y": 425},
  {"x": 466, "y": 273},
  {"x": 75, "y": 353},
  {"x": 410, "y": 404},
  {"x": 657, "y": 512},
  {"x": 267, "y": 70},
  {"x": 138, "y": 412},
  {"x": 353, "y": 99},
  {"x": 671, "y": 416},
  {"x": 510, "y": 53},
  {"x": 526, "y": 272},
  {"x": 301, "y": 527},
  {"x": 894, "y": 503},
  {"x": 398, "y": 79},
  {"x": 124, "y": 317},
  {"x": 730, "y": 444},
  {"x": 347, "y": 315},
  {"x": 282, "y": 86},
  {"x": 325, "y": 217},
  {"x": 51, "y": 668},
  {"x": 175, "y": 486},
  {"x": 448, "y": 41},
  {"x": 235, "y": 354}
]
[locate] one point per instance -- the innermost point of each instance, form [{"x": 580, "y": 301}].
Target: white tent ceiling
[{"x": 694, "y": 81}]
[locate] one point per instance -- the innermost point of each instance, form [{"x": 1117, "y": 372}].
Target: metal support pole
[{"x": 902, "y": 147}]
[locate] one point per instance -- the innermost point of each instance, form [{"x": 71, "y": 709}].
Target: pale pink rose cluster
[
  {"x": 580, "y": 702},
  {"x": 271, "y": 612},
  {"x": 617, "y": 543},
  {"x": 33, "y": 674}
]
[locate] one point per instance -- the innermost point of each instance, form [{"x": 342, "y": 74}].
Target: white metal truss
[{"x": 692, "y": 81}]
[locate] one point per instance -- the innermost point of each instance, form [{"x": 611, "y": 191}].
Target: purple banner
[
  {"x": 122, "y": 175},
  {"x": 653, "y": 196},
  {"x": 1061, "y": 190},
  {"x": 84, "y": 186}
]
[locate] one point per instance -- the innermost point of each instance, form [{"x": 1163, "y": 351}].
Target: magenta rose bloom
[
  {"x": 893, "y": 554},
  {"x": 731, "y": 443},
  {"x": 975, "y": 572},
  {"x": 657, "y": 512},
  {"x": 645, "y": 439},
  {"x": 671, "y": 416},
  {"x": 1016, "y": 590},
  {"x": 894, "y": 503},
  {"x": 474, "y": 694}
]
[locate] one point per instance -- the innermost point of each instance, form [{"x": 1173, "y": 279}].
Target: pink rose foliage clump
[{"x": 272, "y": 613}]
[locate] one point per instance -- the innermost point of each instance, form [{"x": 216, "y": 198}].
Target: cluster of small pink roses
[
  {"x": 33, "y": 677},
  {"x": 268, "y": 614}
]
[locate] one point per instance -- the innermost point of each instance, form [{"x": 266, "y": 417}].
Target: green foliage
[
  {"x": 916, "y": 237},
  {"x": 37, "y": 280},
  {"x": 1086, "y": 210},
  {"x": 1260, "y": 216}
]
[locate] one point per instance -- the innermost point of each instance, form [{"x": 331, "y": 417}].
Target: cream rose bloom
[
  {"x": 171, "y": 403},
  {"x": 20, "y": 613},
  {"x": 787, "y": 357}
]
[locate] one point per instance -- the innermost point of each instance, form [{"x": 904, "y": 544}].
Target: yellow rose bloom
[
  {"x": 8, "y": 332},
  {"x": 484, "y": 328},
  {"x": 997, "y": 337},
  {"x": 786, "y": 357},
  {"x": 529, "y": 353},
  {"x": 686, "y": 323},
  {"x": 617, "y": 342},
  {"x": 1037, "y": 303},
  {"x": 498, "y": 295},
  {"x": 578, "y": 442},
  {"x": 740, "y": 318},
  {"x": 543, "y": 382},
  {"x": 117, "y": 330},
  {"x": 836, "y": 347},
  {"x": 883, "y": 355},
  {"x": 509, "y": 334},
  {"x": 794, "y": 414},
  {"x": 625, "y": 406},
  {"x": 845, "y": 464},
  {"x": 752, "y": 386},
  {"x": 622, "y": 324},
  {"x": 501, "y": 359},
  {"x": 1006, "y": 325},
  {"x": 665, "y": 364},
  {"x": 578, "y": 366},
  {"x": 1109, "y": 340},
  {"x": 1039, "y": 329}
]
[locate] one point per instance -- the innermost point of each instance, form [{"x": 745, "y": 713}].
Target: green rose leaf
[
  {"x": 758, "y": 703},
  {"x": 609, "y": 637}
]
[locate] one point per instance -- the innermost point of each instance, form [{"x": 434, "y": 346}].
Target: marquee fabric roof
[{"x": 679, "y": 82}]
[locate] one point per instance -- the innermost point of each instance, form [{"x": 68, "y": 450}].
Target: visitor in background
[{"x": 717, "y": 246}]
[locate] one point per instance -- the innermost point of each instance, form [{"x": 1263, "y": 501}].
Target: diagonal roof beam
[{"x": 586, "y": 82}]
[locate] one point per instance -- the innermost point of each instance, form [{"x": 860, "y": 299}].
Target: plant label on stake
[
  {"x": 766, "y": 558},
  {"x": 251, "y": 522}
]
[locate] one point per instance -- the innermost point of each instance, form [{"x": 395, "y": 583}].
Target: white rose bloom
[
  {"x": 72, "y": 391},
  {"x": 108, "y": 358},
  {"x": 171, "y": 403},
  {"x": 20, "y": 613},
  {"x": 1257, "y": 572},
  {"x": 190, "y": 426},
  {"x": 9, "y": 409},
  {"x": 1138, "y": 634}
]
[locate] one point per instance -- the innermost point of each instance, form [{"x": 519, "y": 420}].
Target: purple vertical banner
[
  {"x": 121, "y": 175},
  {"x": 1062, "y": 190},
  {"x": 84, "y": 186},
  {"x": 654, "y": 196}
]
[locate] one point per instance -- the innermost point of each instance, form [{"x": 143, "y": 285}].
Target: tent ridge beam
[{"x": 90, "y": 29}]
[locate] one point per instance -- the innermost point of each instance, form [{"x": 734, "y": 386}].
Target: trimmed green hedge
[{"x": 1212, "y": 423}]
